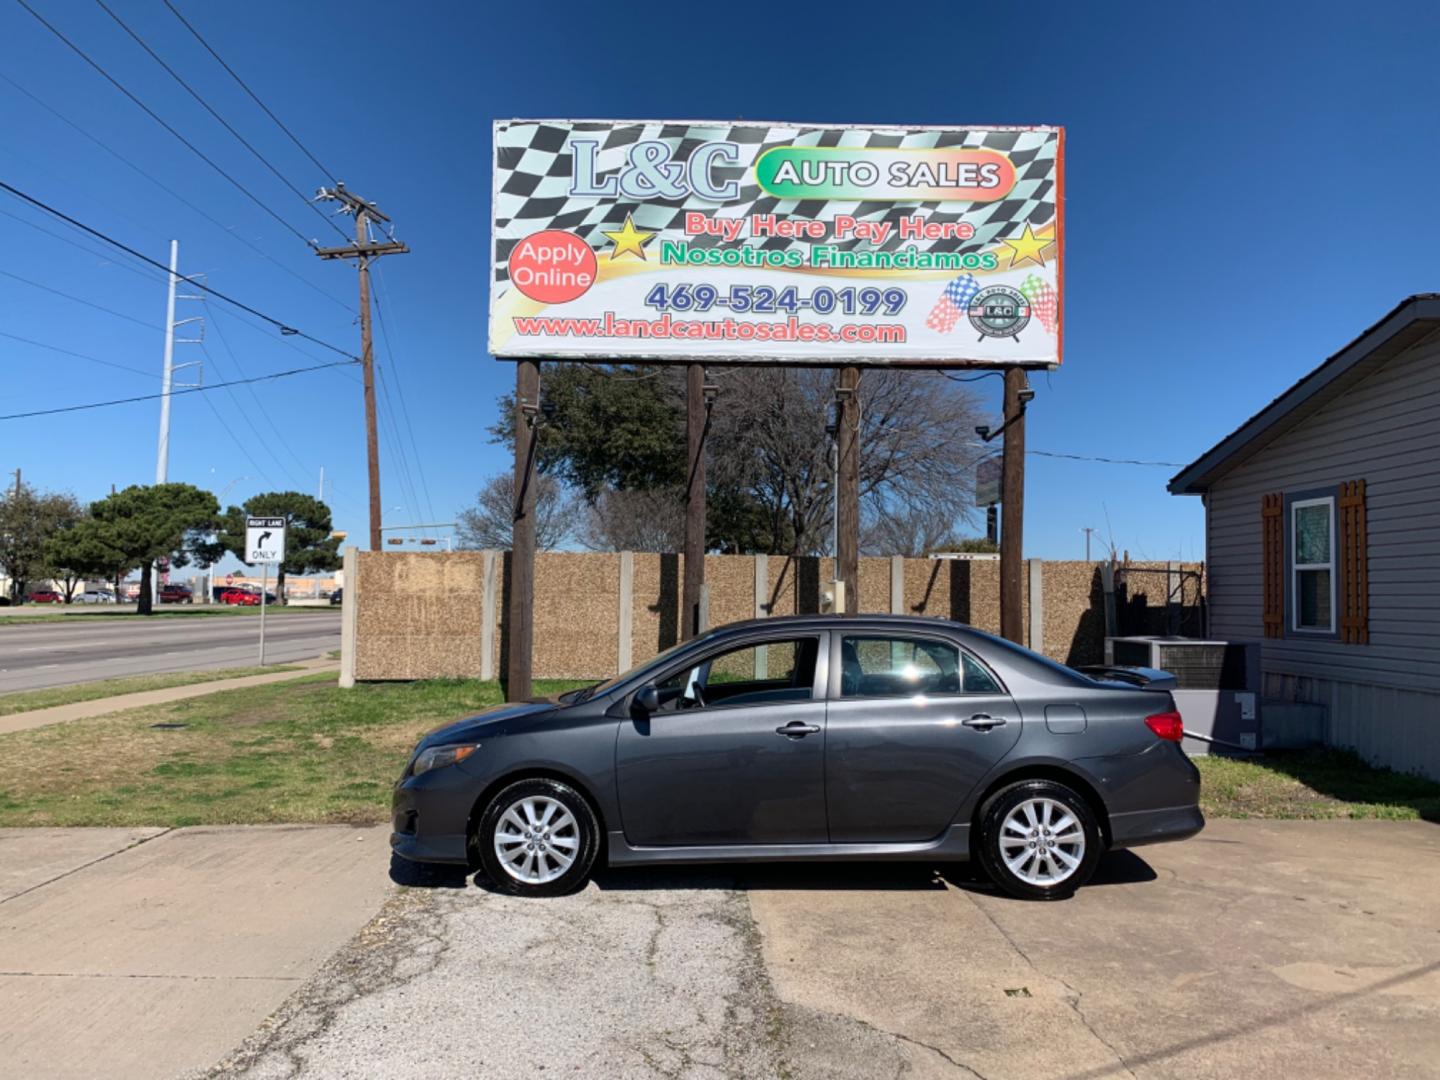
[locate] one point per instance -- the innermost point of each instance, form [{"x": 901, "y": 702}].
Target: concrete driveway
[
  {"x": 1286, "y": 949},
  {"x": 152, "y": 952}
]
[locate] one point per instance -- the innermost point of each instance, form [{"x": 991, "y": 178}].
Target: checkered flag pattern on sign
[
  {"x": 1044, "y": 303},
  {"x": 533, "y": 174},
  {"x": 952, "y": 303}
]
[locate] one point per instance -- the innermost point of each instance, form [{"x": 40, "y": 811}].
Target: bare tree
[
  {"x": 913, "y": 532},
  {"x": 488, "y": 524},
  {"x": 770, "y": 441},
  {"x": 641, "y": 520}
]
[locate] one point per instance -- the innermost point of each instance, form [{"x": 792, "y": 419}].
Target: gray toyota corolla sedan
[{"x": 809, "y": 738}]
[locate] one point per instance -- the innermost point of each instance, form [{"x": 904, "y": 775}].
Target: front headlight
[{"x": 436, "y": 757}]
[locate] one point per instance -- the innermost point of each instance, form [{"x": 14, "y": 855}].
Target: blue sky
[{"x": 1249, "y": 186}]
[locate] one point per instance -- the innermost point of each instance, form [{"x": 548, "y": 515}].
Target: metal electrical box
[{"x": 1217, "y": 685}]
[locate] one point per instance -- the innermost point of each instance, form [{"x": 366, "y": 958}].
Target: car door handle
[
  {"x": 796, "y": 730},
  {"x": 984, "y": 722}
]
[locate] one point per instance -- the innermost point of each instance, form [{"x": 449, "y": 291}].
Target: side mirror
[{"x": 645, "y": 701}]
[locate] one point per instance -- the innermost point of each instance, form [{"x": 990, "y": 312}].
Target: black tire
[
  {"x": 585, "y": 833},
  {"x": 992, "y": 830}
]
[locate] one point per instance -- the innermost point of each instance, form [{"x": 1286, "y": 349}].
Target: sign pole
[
  {"x": 520, "y": 641},
  {"x": 847, "y": 508},
  {"x": 1012, "y": 509},
  {"x": 264, "y": 582},
  {"x": 696, "y": 419}
]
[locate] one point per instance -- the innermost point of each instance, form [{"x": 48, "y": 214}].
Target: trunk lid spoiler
[{"x": 1141, "y": 678}]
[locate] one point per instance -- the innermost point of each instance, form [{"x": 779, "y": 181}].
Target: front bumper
[{"x": 430, "y": 816}]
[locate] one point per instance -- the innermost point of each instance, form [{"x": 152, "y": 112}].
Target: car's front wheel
[
  {"x": 538, "y": 837},
  {"x": 1039, "y": 840}
]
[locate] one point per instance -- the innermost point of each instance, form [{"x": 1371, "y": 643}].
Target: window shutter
[
  {"x": 1272, "y": 520},
  {"x": 1354, "y": 565}
]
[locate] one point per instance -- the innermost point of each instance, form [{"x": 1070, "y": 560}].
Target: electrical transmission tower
[{"x": 362, "y": 251}]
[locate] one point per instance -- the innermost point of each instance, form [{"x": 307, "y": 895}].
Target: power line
[
  {"x": 245, "y": 416},
  {"x": 223, "y": 123},
  {"x": 1106, "y": 460},
  {"x": 175, "y": 393},
  {"x": 972, "y": 378},
  {"x": 279, "y": 437},
  {"x": 156, "y": 117},
  {"x": 174, "y": 194},
  {"x": 81, "y": 247},
  {"x": 253, "y": 96},
  {"x": 400, "y": 392},
  {"x": 87, "y": 303},
  {"x": 282, "y": 327},
  {"x": 79, "y": 356},
  {"x": 235, "y": 439},
  {"x": 407, "y": 481}
]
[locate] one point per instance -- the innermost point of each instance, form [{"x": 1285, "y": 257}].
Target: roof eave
[{"x": 1197, "y": 478}]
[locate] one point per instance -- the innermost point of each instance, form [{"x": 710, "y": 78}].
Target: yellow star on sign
[
  {"x": 629, "y": 239},
  {"x": 1028, "y": 246}
]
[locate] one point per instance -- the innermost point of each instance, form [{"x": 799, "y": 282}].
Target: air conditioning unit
[{"x": 1217, "y": 685}]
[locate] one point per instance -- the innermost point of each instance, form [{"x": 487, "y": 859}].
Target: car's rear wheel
[
  {"x": 538, "y": 837},
  {"x": 1039, "y": 840}
]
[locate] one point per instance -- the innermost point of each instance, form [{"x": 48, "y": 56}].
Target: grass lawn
[
  {"x": 1313, "y": 784},
  {"x": 28, "y": 700},
  {"x": 90, "y": 612},
  {"x": 306, "y": 751},
  {"x": 298, "y": 751}
]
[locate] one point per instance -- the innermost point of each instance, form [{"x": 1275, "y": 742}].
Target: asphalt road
[{"x": 58, "y": 654}]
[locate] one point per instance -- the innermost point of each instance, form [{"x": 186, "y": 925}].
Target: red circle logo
[{"x": 553, "y": 267}]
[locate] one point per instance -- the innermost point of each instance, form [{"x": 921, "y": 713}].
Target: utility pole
[
  {"x": 17, "y": 485},
  {"x": 162, "y": 455},
  {"x": 699, "y": 400},
  {"x": 362, "y": 251},
  {"x": 847, "y": 501},
  {"x": 321, "y": 495},
  {"x": 1012, "y": 507},
  {"x": 1087, "y": 530}
]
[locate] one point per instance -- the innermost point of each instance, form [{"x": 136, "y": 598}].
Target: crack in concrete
[
  {"x": 85, "y": 866},
  {"x": 969, "y": 1070},
  {"x": 368, "y": 964},
  {"x": 1072, "y": 995}
]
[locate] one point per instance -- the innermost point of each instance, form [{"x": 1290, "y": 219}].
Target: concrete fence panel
[{"x": 427, "y": 615}]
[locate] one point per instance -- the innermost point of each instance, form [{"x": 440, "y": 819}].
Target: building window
[{"x": 1312, "y": 565}]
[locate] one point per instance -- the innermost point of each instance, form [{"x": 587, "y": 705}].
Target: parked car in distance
[
  {"x": 46, "y": 596},
  {"x": 241, "y": 597},
  {"x": 175, "y": 594},
  {"x": 810, "y": 738},
  {"x": 96, "y": 596},
  {"x": 337, "y": 597}
]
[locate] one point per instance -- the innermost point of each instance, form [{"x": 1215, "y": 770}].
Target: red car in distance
[
  {"x": 46, "y": 596},
  {"x": 242, "y": 597}
]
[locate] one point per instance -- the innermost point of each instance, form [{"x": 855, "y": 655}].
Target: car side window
[
  {"x": 977, "y": 679},
  {"x": 773, "y": 672},
  {"x": 884, "y": 666}
]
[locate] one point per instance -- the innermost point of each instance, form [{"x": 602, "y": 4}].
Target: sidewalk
[
  {"x": 83, "y": 710},
  {"x": 153, "y": 952}
]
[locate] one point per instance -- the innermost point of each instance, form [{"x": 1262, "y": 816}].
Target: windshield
[{"x": 655, "y": 661}]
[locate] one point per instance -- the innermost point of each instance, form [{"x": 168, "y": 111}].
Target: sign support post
[
  {"x": 521, "y": 639},
  {"x": 264, "y": 584},
  {"x": 265, "y": 547},
  {"x": 697, "y": 420},
  {"x": 1012, "y": 508},
  {"x": 847, "y": 507}
]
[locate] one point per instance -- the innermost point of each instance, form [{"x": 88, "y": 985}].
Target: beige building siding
[{"x": 1383, "y": 697}]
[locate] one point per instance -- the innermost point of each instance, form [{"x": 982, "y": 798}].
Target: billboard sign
[{"x": 777, "y": 243}]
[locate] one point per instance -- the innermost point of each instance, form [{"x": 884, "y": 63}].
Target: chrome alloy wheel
[
  {"x": 1042, "y": 842},
  {"x": 536, "y": 839}
]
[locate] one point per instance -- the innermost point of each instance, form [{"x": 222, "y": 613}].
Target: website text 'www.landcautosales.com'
[{"x": 724, "y": 329}]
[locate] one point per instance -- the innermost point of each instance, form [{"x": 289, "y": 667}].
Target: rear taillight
[{"x": 1167, "y": 725}]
